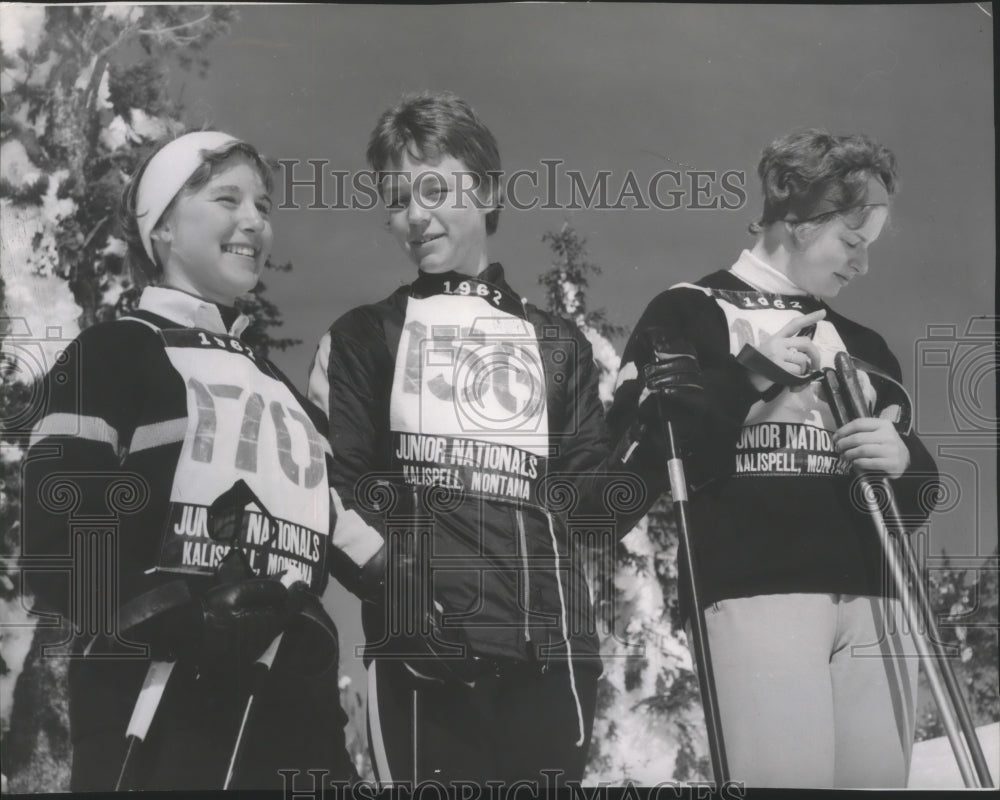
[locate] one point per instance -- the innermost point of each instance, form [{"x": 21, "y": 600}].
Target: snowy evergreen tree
[
  {"x": 965, "y": 605},
  {"x": 649, "y": 726}
]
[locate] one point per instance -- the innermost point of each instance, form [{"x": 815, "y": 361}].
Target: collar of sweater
[
  {"x": 192, "y": 312},
  {"x": 762, "y": 276}
]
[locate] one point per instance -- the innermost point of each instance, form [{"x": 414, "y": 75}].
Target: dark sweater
[{"x": 772, "y": 509}]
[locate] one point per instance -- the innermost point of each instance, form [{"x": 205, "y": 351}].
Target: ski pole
[
  {"x": 951, "y": 681},
  {"x": 261, "y": 667},
  {"x": 142, "y": 714},
  {"x": 702, "y": 652},
  {"x": 907, "y": 574},
  {"x": 842, "y": 414}
]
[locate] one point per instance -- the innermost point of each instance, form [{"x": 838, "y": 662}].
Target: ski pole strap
[
  {"x": 895, "y": 393},
  {"x": 156, "y": 601},
  {"x": 755, "y": 361},
  {"x": 147, "y": 605},
  {"x": 177, "y": 593}
]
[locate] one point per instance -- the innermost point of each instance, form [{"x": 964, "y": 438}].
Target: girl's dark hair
[
  {"x": 799, "y": 170},
  {"x": 434, "y": 125},
  {"x": 143, "y": 270}
]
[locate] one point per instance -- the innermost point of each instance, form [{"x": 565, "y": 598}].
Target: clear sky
[{"x": 642, "y": 88}]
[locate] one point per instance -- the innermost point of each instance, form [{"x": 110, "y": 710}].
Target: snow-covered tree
[
  {"x": 85, "y": 96},
  {"x": 965, "y": 606},
  {"x": 649, "y": 726},
  {"x": 566, "y": 283}
]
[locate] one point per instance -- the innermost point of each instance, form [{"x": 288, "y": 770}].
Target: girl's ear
[
  {"x": 160, "y": 240},
  {"x": 163, "y": 232}
]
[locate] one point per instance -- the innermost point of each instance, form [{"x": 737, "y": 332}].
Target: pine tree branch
[
  {"x": 171, "y": 29},
  {"x": 94, "y": 231}
]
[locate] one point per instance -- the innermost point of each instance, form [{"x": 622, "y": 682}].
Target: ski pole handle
[
  {"x": 835, "y": 398},
  {"x": 851, "y": 386}
]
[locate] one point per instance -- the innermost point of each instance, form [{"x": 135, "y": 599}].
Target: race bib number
[
  {"x": 244, "y": 424},
  {"x": 468, "y": 407}
]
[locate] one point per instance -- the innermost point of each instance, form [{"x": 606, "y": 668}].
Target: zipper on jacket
[{"x": 526, "y": 593}]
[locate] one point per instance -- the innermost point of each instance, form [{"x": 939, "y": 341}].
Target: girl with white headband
[
  {"x": 816, "y": 682},
  {"x": 209, "y": 470}
]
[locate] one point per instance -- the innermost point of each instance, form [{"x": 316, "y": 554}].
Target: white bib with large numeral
[
  {"x": 468, "y": 405},
  {"x": 244, "y": 424}
]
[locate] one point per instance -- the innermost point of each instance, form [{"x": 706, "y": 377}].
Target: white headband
[{"x": 166, "y": 173}]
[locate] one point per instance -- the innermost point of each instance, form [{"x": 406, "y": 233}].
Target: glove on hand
[
  {"x": 673, "y": 390},
  {"x": 227, "y": 628},
  {"x": 240, "y": 620},
  {"x": 673, "y": 372}
]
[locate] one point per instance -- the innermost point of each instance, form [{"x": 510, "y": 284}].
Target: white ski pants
[{"x": 815, "y": 690}]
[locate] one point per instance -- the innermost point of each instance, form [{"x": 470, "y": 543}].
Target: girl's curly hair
[{"x": 798, "y": 170}]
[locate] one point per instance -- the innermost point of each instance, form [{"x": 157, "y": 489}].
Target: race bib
[
  {"x": 242, "y": 423},
  {"x": 790, "y": 434},
  {"x": 468, "y": 407}
]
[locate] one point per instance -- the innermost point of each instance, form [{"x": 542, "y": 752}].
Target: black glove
[
  {"x": 223, "y": 629},
  {"x": 673, "y": 391},
  {"x": 673, "y": 376},
  {"x": 240, "y": 620}
]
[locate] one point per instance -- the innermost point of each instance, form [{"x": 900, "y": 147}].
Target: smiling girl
[
  {"x": 169, "y": 403},
  {"x": 816, "y": 683}
]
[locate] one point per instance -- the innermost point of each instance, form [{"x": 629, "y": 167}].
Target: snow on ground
[{"x": 934, "y": 765}]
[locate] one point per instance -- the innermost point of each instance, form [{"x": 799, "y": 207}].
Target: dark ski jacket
[
  {"x": 461, "y": 411},
  {"x": 130, "y": 440}
]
